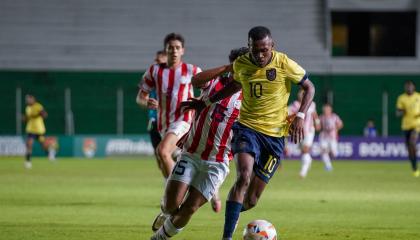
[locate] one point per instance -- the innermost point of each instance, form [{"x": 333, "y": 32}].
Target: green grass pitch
[{"x": 118, "y": 198}]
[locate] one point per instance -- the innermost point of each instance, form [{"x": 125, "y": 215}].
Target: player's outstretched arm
[
  {"x": 201, "y": 79},
  {"x": 199, "y": 104},
  {"x": 230, "y": 89},
  {"x": 296, "y": 128}
]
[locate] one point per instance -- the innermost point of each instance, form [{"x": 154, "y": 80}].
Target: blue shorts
[
  {"x": 38, "y": 137},
  {"x": 267, "y": 150}
]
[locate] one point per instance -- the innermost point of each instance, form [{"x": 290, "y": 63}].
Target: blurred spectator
[{"x": 370, "y": 130}]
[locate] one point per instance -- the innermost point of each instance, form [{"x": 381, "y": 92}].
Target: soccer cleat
[
  {"x": 158, "y": 222},
  {"x": 302, "y": 176},
  {"x": 329, "y": 169},
  {"x": 28, "y": 165},
  {"x": 416, "y": 173}
]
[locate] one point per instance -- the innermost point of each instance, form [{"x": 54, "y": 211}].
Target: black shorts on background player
[{"x": 154, "y": 134}]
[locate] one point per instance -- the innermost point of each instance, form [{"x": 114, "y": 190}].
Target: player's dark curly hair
[
  {"x": 237, "y": 52},
  {"x": 173, "y": 36},
  {"x": 258, "y": 33},
  {"x": 410, "y": 82}
]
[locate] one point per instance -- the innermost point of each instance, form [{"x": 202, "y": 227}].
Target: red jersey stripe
[
  {"x": 159, "y": 94},
  {"x": 168, "y": 96},
  {"x": 199, "y": 129},
  {"x": 212, "y": 132},
  {"x": 226, "y": 134}
]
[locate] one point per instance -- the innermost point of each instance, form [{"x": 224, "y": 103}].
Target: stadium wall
[
  {"x": 124, "y": 35},
  {"x": 94, "y": 100}
]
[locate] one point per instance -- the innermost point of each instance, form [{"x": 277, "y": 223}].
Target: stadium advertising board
[{"x": 391, "y": 148}]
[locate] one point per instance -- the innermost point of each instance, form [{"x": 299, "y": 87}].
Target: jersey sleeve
[
  {"x": 147, "y": 82},
  {"x": 400, "y": 103},
  {"x": 294, "y": 71}
]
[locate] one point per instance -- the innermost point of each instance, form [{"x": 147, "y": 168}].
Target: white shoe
[
  {"x": 158, "y": 222},
  {"x": 28, "y": 165}
]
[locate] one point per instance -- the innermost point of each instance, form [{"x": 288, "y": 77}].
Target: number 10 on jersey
[{"x": 256, "y": 89}]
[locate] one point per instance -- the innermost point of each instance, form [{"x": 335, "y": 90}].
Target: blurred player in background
[
  {"x": 370, "y": 130},
  {"x": 155, "y": 137},
  {"x": 265, "y": 77},
  {"x": 35, "y": 128},
  {"x": 311, "y": 124},
  {"x": 172, "y": 82},
  {"x": 408, "y": 106},
  {"x": 204, "y": 162},
  {"x": 328, "y": 138}
]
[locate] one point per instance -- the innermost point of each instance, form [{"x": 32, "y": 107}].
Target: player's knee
[
  {"x": 244, "y": 179},
  {"x": 163, "y": 152}
]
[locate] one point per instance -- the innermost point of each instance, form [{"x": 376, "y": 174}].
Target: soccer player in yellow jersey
[
  {"x": 408, "y": 106},
  {"x": 35, "y": 128},
  {"x": 265, "y": 77}
]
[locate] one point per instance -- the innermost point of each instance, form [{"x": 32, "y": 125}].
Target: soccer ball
[{"x": 259, "y": 230}]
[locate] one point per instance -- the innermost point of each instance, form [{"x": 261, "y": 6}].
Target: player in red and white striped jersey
[
  {"x": 310, "y": 124},
  {"x": 328, "y": 138},
  {"x": 204, "y": 161},
  {"x": 172, "y": 82}
]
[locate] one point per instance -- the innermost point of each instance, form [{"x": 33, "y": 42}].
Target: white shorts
[
  {"x": 308, "y": 140},
  {"x": 179, "y": 128},
  {"x": 204, "y": 176},
  {"x": 329, "y": 145}
]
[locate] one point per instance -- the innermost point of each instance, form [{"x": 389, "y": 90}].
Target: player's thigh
[
  {"x": 174, "y": 195},
  {"x": 325, "y": 145},
  {"x": 244, "y": 165},
  {"x": 168, "y": 143},
  {"x": 209, "y": 178},
  {"x": 30, "y": 140},
  {"x": 193, "y": 202},
  {"x": 179, "y": 181},
  {"x": 413, "y": 137},
  {"x": 307, "y": 142},
  {"x": 334, "y": 147}
]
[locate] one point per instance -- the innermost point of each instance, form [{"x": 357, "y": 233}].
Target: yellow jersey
[
  {"x": 410, "y": 104},
  {"x": 266, "y": 91},
  {"x": 34, "y": 120}
]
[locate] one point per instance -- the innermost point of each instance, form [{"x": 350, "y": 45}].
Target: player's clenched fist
[
  {"x": 193, "y": 104},
  {"x": 152, "y": 103}
]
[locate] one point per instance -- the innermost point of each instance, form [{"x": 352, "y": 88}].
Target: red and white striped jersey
[
  {"x": 173, "y": 86},
  {"x": 211, "y": 133},
  {"x": 329, "y": 126},
  {"x": 309, "y": 123}
]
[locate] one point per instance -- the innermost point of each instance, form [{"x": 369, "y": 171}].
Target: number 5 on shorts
[{"x": 179, "y": 168}]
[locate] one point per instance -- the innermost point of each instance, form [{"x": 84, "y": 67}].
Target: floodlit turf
[{"x": 119, "y": 198}]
